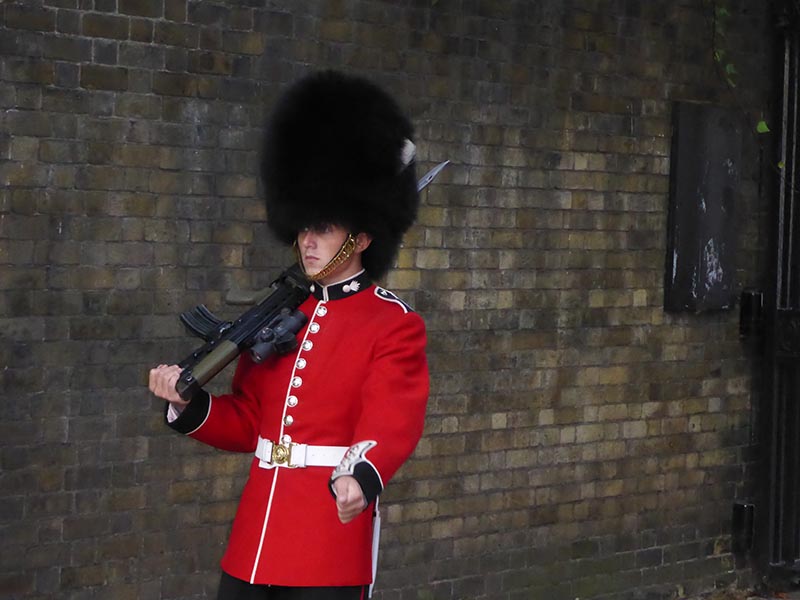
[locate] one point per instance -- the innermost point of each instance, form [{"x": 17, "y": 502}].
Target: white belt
[{"x": 293, "y": 455}]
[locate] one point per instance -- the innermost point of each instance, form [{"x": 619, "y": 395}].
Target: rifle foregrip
[{"x": 192, "y": 379}]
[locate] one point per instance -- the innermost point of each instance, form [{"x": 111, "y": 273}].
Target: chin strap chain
[{"x": 345, "y": 252}]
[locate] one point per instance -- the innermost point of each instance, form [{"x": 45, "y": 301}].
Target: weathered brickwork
[{"x": 580, "y": 442}]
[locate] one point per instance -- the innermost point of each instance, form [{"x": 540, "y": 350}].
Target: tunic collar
[{"x": 342, "y": 289}]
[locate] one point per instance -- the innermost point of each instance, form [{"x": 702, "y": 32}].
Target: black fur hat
[{"x": 338, "y": 150}]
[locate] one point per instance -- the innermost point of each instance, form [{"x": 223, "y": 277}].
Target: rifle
[{"x": 268, "y": 327}]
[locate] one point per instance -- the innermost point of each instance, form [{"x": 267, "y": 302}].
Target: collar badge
[{"x": 353, "y": 286}]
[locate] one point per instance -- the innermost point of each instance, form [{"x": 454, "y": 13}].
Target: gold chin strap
[{"x": 345, "y": 252}]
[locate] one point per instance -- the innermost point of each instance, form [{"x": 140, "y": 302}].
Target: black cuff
[
  {"x": 193, "y": 415},
  {"x": 369, "y": 480}
]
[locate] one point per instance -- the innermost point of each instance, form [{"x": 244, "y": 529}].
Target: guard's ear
[{"x": 363, "y": 240}]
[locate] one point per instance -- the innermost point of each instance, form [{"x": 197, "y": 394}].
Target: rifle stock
[{"x": 226, "y": 340}]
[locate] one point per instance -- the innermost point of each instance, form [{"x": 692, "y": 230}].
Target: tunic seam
[{"x": 264, "y": 527}]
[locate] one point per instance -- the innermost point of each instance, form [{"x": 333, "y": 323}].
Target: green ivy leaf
[
  {"x": 722, "y": 12},
  {"x": 781, "y": 165},
  {"x": 718, "y": 55},
  {"x": 730, "y": 69},
  {"x": 762, "y": 127}
]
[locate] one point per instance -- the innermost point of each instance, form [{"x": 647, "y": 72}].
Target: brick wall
[{"x": 580, "y": 442}]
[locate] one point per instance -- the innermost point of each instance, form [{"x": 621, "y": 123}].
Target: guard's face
[{"x": 318, "y": 245}]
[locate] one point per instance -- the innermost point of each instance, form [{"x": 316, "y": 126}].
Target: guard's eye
[{"x": 319, "y": 229}]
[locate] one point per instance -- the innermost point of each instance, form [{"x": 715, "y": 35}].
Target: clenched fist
[{"x": 349, "y": 498}]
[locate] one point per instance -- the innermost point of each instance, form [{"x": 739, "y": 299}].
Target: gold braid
[{"x": 345, "y": 252}]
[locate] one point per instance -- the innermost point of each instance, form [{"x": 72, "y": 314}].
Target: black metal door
[{"x": 778, "y": 511}]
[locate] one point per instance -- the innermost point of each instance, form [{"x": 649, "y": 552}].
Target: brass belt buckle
[{"x": 282, "y": 454}]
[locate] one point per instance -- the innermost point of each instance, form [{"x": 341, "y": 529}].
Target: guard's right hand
[{"x": 162, "y": 383}]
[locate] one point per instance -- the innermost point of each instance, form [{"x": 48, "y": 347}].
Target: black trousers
[{"x": 231, "y": 588}]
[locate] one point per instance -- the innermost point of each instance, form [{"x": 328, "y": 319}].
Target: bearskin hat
[{"x": 338, "y": 150}]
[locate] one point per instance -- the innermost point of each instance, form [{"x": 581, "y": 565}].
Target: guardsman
[{"x": 329, "y": 424}]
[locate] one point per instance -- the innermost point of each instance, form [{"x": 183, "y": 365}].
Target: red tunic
[{"x": 359, "y": 373}]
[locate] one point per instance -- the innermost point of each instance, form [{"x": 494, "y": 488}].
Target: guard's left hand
[{"x": 349, "y": 498}]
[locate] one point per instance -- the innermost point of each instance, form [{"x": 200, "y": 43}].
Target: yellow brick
[
  {"x": 432, "y": 259},
  {"x": 505, "y": 299},
  {"x": 405, "y": 258},
  {"x": 634, "y": 429},
  {"x": 567, "y": 435},
  {"x": 403, "y": 280},
  {"x": 236, "y": 186},
  {"x": 613, "y": 376},
  {"x": 432, "y": 216},
  {"x": 499, "y": 420},
  {"x": 588, "y": 433},
  {"x": 433, "y": 238},
  {"x": 456, "y": 300},
  {"x": 613, "y": 412},
  {"x": 232, "y": 256},
  {"x": 450, "y": 425},
  {"x": 420, "y": 511}
]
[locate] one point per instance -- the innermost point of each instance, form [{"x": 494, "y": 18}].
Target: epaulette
[{"x": 391, "y": 297}]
